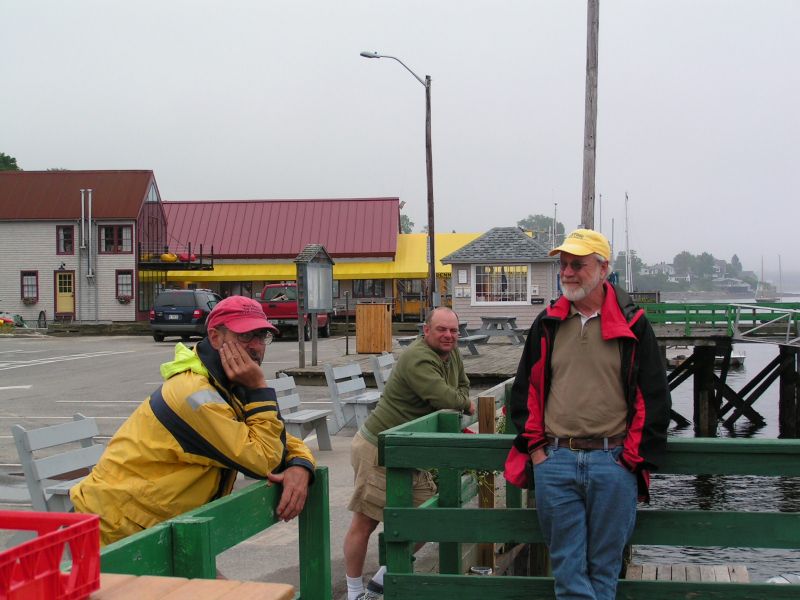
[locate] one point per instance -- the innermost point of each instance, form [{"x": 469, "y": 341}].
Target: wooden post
[
  {"x": 450, "y": 497},
  {"x": 486, "y": 496},
  {"x": 590, "y": 114},
  {"x": 662, "y": 350},
  {"x": 789, "y": 394},
  {"x": 705, "y": 411}
]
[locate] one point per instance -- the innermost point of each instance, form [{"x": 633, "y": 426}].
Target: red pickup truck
[{"x": 279, "y": 302}]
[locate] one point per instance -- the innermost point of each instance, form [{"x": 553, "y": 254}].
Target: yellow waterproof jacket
[{"x": 184, "y": 445}]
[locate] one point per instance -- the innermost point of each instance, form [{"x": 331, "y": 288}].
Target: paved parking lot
[{"x": 46, "y": 380}]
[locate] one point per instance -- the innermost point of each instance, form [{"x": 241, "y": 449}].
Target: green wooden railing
[
  {"x": 431, "y": 442},
  {"x": 187, "y": 546},
  {"x": 713, "y": 315}
]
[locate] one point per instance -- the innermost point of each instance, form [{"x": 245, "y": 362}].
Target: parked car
[
  {"x": 279, "y": 302},
  {"x": 181, "y": 312}
]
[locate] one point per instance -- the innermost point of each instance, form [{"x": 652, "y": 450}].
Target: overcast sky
[{"x": 698, "y": 114}]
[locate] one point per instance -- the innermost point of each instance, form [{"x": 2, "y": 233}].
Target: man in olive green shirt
[{"x": 428, "y": 376}]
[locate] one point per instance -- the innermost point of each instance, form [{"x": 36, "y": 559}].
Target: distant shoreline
[{"x": 691, "y": 295}]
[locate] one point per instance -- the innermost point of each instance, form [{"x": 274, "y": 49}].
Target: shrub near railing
[
  {"x": 187, "y": 546},
  {"x": 431, "y": 442}
]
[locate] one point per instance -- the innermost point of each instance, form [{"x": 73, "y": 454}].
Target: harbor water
[{"x": 729, "y": 493}]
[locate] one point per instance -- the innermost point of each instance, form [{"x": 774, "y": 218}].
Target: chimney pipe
[
  {"x": 90, "y": 274},
  {"x": 83, "y": 219}
]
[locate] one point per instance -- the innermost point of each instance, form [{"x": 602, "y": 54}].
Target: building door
[{"x": 65, "y": 294}]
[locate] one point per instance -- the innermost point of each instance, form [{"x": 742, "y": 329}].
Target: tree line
[{"x": 701, "y": 270}]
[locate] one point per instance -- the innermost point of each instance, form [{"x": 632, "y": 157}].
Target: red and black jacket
[{"x": 644, "y": 382}]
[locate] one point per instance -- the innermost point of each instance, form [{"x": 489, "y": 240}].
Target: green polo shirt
[{"x": 420, "y": 383}]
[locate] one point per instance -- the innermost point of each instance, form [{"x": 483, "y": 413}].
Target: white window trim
[{"x": 473, "y": 283}]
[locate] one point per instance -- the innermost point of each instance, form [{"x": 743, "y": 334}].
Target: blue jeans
[{"x": 586, "y": 504}]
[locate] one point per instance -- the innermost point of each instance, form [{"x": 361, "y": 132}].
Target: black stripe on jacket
[{"x": 189, "y": 440}]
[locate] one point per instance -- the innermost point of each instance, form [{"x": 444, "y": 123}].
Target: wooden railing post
[
  {"x": 192, "y": 556},
  {"x": 486, "y": 495},
  {"x": 705, "y": 409},
  {"x": 789, "y": 394},
  {"x": 315, "y": 541},
  {"x": 399, "y": 494},
  {"x": 450, "y": 497}
]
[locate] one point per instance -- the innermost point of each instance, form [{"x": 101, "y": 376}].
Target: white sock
[
  {"x": 378, "y": 577},
  {"x": 355, "y": 586}
]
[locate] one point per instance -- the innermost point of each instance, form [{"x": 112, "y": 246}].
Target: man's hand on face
[
  {"x": 240, "y": 368},
  {"x": 295, "y": 491}
]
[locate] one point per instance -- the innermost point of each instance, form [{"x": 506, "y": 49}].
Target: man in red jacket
[{"x": 592, "y": 403}]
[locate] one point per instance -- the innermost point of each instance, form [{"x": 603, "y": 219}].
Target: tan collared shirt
[{"x": 586, "y": 397}]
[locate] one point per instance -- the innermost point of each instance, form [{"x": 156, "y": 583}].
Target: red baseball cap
[{"x": 239, "y": 314}]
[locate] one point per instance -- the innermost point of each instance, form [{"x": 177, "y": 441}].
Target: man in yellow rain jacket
[{"x": 213, "y": 417}]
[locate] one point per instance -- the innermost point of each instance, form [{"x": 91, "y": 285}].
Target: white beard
[{"x": 575, "y": 293}]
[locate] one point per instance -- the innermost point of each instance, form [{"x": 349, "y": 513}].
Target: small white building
[
  {"x": 658, "y": 269},
  {"x": 504, "y": 272}
]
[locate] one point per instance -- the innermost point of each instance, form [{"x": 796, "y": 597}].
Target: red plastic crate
[{"x": 32, "y": 570}]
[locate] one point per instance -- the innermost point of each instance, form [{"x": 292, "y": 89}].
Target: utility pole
[
  {"x": 590, "y": 114},
  {"x": 433, "y": 293}
]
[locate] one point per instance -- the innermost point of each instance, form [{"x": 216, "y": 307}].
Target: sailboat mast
[{"x": 628, "y": 262}]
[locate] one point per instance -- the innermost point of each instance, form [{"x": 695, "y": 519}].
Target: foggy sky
[{"x": 698, "y": 108}]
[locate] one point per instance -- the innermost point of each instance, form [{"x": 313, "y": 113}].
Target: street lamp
[{"x": 433, "y": 293}]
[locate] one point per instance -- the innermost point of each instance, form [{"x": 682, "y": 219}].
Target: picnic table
[
  {"x": 501, "y": 325},
  {"x": 462, "y": 328},
  {"x": 465, "y": 338},
  {"x": 114, "y": 586}
]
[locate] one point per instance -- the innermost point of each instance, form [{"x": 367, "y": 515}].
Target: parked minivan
[{"x": 181, "y": 312}]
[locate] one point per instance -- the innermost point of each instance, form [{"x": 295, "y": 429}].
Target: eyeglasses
[
  {"x": 575, "y": 265},
  {"x": 264, "y": 336}
]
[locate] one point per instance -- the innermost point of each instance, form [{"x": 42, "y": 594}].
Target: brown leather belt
[{"x": 586, "y": 443}]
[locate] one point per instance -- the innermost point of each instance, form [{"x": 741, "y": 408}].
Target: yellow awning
[
  {"x": 410, "y": 263},
  {"x": 238, "y": 272}
]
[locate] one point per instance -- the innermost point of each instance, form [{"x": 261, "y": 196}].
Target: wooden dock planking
[{"x": 683, "y": 572}]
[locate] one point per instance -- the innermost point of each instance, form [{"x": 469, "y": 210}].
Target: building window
[
  {"x": 335, "y": 290},
  {"x": 124, "y": 286},
  {"x": 29, "y": 286},
  {"x": 152, "y": 195},
  {"x": 65, "y": 240},
  {"x": 410, "y": 288},
  {"x": 501, "y": 283},
  {"x": 116, "y": 239},
  {"x": 368, "y": 288}
]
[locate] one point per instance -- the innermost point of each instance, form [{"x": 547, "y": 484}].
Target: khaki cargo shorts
[{"x": 369, "y": 495}]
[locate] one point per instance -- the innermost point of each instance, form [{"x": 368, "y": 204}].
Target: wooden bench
[
  {"x": 300, "y": 422},
  {"x": 349, "y": 394},
  {"x": 51, "y": 477}
]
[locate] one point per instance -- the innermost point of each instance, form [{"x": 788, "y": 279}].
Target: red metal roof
[
  {"x": 55, "y": 195},
  {"x": 282, "y": 228}
]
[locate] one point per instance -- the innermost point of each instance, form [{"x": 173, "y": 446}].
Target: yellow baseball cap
[{"x": 583, "y": 242}]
